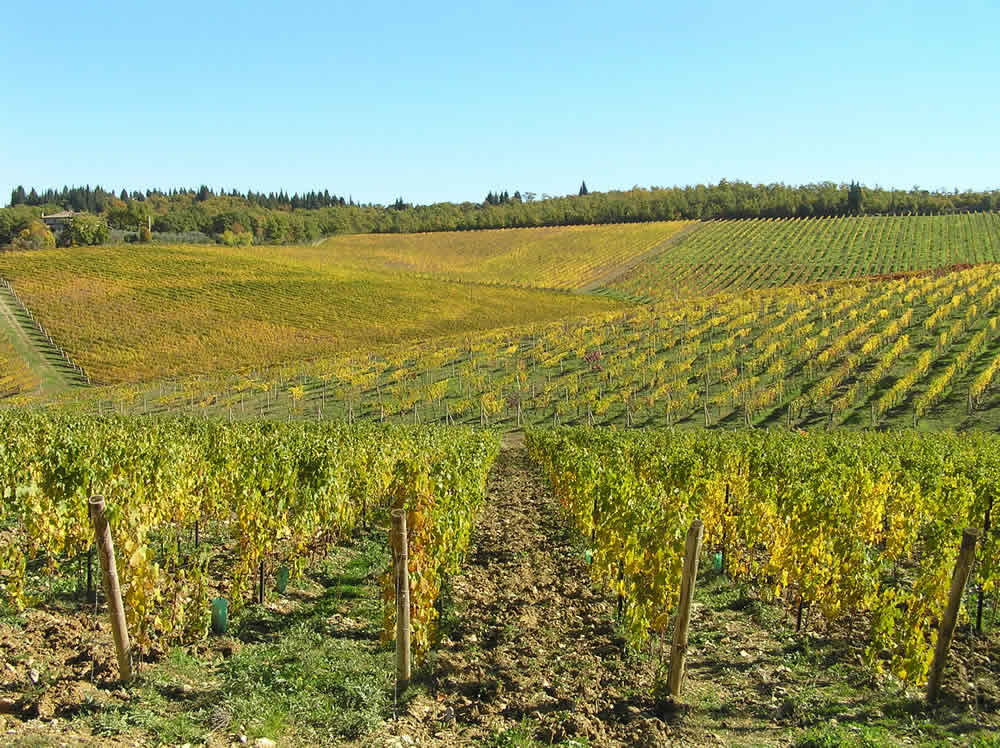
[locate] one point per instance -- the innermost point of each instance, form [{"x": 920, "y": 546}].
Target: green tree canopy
[{"x": 86, "y": 229}]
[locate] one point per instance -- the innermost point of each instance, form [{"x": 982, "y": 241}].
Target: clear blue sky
[{"x": 448, "y": 101}]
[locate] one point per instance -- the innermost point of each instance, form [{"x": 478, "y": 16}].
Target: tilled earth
[
  {"x": 533, "y": 645},
  {"x": 50, "y": 670}
]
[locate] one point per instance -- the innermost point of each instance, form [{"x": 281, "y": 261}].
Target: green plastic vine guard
[
  {"x": 220, "y": 615},
  {"x": 282, "y": 581}
]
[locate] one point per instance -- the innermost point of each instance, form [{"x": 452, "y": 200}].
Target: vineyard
[
  {"x": 141, "y": 312},
  {"x": 821, "y": 394},
  {"x": 919, "y": 350},
  {"x": 146, "y": 313},
  {"x": 852, "y": 535},
  {"x": 15, "y": 375},
  {"x": 753, "y": 254}
]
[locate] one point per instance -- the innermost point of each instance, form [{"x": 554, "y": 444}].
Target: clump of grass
[{"x": 839, "y": 736}]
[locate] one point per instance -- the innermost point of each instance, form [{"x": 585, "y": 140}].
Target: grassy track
[
  {"x": 764, "y": 253},
  {"x": 138, "y": 312}
]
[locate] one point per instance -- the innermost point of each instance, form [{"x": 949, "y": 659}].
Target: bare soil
[
  {"x": 532, "y": 644},
  {"x": 56, "y": 667}
]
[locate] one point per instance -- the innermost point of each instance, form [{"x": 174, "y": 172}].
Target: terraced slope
[
  {"x": 135, "y": 312},
  {"x": 764, "y": 253}
]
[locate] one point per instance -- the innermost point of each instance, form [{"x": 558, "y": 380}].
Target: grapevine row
[
  {"x": 822, "y": 521},
  {"x": 281, "y": 492}
]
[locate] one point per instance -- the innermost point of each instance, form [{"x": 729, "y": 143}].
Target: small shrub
[
  {"x": 236, "y": 239},
  {"x": 35, "y": 236}
]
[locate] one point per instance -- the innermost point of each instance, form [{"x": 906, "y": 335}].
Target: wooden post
[
  {"x": 593, "y": 521},
  {"x": 401, "y": 574},
  {"x": 90, "y": 575},
  {"x": 979, "y": 604},
  {"x": 691, "y": 551},
  {"x": 725, "y": 538},
  {"x": 963, "y": 565},
  {"x": 621, "y": 598},
  {"x": 260, "y": 584},
  {"x": 112, "y": 590}
]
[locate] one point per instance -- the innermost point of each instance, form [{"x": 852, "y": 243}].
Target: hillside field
[
  {"x": 139, "y": 312},
  {"x": 292, "y": 332},
  {"x": 564, "y": 257},
  {"x": 922, "y": 351}
]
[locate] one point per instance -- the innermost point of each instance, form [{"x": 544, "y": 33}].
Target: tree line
[
  {"x": 97, "y": 199},
  {"x": 280, "y": 218}
]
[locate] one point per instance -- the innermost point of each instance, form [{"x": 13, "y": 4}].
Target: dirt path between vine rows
[{"x": 532, "y": 647}]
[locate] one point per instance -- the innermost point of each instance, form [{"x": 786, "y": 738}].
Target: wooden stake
[
  {"x": 90, "y": 574},
  {"x": 691, "y": 551},
  {"x": 725, "y": 538},
  {"x": 979, "y": 604},
  {"x": 593, "y": 522},
  {"x": 621, "y": 597},
  {"x": 401, "y": 574},
  {"x": 112, "y": 590},
  {"x": 963, "y": 565}
]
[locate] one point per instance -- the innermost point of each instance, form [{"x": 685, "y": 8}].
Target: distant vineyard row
[{"x": 755, "y": 254}]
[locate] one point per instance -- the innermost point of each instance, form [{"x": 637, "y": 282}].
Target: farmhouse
[{"x": 58, "y": 221}]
